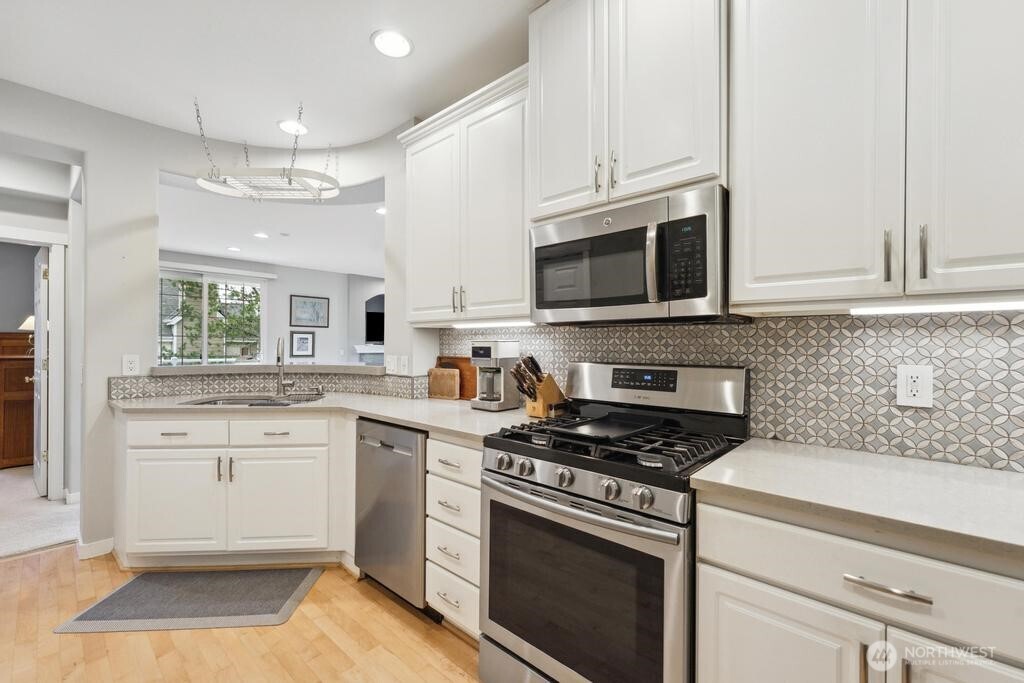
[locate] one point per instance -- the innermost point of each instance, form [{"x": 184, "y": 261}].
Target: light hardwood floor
[{"x": 344, "y": 630}]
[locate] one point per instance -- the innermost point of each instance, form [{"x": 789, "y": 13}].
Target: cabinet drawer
[
  {"x": 455, "y": 550},
  {"x": 176, "y": 433},
  {"x": 278, "y": 432},
  {"x": 454, "y": 598},
  {"x": 457, "y": 463},
  {"x": 454, "y": 504},
  {"x": 967, "y": 605}
]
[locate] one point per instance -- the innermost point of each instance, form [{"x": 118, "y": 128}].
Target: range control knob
[
  {"x": 524, "y": 467},
  {"x": 504, "y": 461},
  {"x": 611, "y": 489},
  {"x": 643, "y": 496},
  {"x": 565, "y": 477}
]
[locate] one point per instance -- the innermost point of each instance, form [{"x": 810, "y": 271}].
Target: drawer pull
[
  {"x": 277, "y": 433},
  {"x": 454, "y": 603},
  {"x": 449, "y": 463},
  {"x": 888, "y": 590},
  {"x": 445, "y": 504},
  {"x": 173, "y": 433},
  {"x": 449, "y": 553}
]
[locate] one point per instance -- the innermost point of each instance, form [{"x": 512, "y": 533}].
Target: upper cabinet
[
  {"x": 817, "y": 149},
  {"x": 964, "y": 146},
  {"x": 466, "y": 210},
  {"x": 625, "y": 99}
]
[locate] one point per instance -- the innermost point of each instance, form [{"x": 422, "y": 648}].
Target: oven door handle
[
  {"x": 667, "y": 537},
  {"x": 651, "y": 262}
]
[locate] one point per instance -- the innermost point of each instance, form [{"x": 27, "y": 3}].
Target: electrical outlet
[
  {"x": 129, "y": 364},
  {"x": 914, "y": 386},
  {"x": 390, "y": 364},
  {"x": 403, "y": 365}
]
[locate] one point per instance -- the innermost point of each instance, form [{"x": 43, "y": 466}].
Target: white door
[
  {"x": 176, "y": 500},
  {"x": 277, "y": 499},
  {"x": 750, "y": 632},
  {"x": 664, "y": 67},
  {"x": 567, "y": 123},
  {"x": 41, "y": 375},
  {"x": 816, "y": 145},
  {"x": 495, "y": 238},
  {"x": 432, "y": 221},
  {"x": 964, "y": 146},
  {"x": 922, "y": 660}
]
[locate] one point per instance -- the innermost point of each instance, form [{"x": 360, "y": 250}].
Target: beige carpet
[{"x": 28, "y": 522}]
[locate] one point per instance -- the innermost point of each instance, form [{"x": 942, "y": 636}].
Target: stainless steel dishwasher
[{"x": 390, "y": 492}]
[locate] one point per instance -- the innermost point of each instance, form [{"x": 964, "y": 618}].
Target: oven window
[
  {"x": 608, "y": 270},
  {"x": 595, "y": 606}
]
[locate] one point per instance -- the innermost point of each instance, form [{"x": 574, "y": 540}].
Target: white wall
[
  {"x": 122, "y": 160},
  {"x": 16, "y": 285}
]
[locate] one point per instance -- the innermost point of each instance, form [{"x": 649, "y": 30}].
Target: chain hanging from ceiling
[{"x": 258, "y": 184}]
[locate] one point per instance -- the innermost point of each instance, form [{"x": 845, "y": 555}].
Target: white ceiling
[
  {"x": 250, "y": 61},
  {"x": 340, "y": 238}
]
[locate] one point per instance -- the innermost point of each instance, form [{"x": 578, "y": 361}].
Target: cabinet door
[
  {"x": 817, "y": 106},
  {"x": 964, "y": 146},
  {"x": 664, "y": 66},
  {"x": 494, "y": 236},
  {"x": 750, "y": 632},
  {"x": 277, "y": 499},
  {"x": 176, "y": 500},
  {"x": 432, "y": 221},
  {"x": 567, "y": 126},
  {"x": 922, "y": 660}
]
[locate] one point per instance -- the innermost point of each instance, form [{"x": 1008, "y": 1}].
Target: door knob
[{"x": 30, "y": 380}]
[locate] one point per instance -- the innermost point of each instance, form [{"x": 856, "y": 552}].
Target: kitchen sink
[{"x": 264, "y": 400}]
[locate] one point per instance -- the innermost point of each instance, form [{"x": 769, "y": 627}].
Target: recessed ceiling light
[
  {"x": 234, "y": 249},
  {"x": 261, "y": 235},
  {"x": 382, "y": 210},
  {"x": 391, "y": 43},
  {"x": 293, "y": 127}
]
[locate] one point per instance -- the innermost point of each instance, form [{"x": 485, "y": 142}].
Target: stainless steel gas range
[{"x": 587, "y": 525}]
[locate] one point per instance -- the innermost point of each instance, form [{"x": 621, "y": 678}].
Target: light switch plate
[
  {"x": 914, "y": 386},
  {"x": 129, "y": 364},
  {"x": 403, "y": 365},
  {"x": 391, "y": 364}
]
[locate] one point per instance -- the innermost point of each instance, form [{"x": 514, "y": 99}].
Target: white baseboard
[
  {"x": 95, "y": 549},
  {"x": 349, "y": 564},
  {"x": 72, "y": 498}
]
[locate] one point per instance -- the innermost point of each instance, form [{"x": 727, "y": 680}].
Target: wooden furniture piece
[{"x": 16, "y": 397}]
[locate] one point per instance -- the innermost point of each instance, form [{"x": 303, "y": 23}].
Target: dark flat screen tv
[{"x": 374, "y": 328}]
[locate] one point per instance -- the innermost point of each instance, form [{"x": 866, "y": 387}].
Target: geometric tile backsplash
[{"x": 831, "y": 380}]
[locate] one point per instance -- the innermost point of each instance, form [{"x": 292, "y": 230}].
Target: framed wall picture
[
  {"x": 303, "y": 344},
  {"x": 310, "y": 311}
]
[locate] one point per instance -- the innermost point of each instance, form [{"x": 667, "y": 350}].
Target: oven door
[{"x": 580, "y": 596}]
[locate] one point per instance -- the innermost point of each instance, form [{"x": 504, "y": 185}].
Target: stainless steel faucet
[{"x": 282, "y": 385}]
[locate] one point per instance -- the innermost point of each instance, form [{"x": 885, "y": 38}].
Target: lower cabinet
[
  {"x": 457, "y": 599},
  {"x": 922, "y": 660},
  {"x": 750, "y": 632}
]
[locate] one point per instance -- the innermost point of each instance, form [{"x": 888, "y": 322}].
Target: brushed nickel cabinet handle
[
  {"x": 454, "y": 603},
  {"x": 449, "y": 553},
  {"x": 445, "y": 504},
  {"x": 922, "y": 242},
  {"x": 863, "y": 663},
  {"x": 276, "y": 433},
  {"x": 597, "y": 171},
  {"x": 173, "y": 433},
  {"x": 888, "y": 590},
  {"x": 905, "y": 671},
  {"x": 611, "y": 171},
  {"x": 231, "y": 469},
  {"x": 462, "y": 298},
  {"x": 448, "y": 463},
  {"x": 887, "y": 246},
  {"x": 455, "y": 308},
  {"x": 220, "y": 473}
]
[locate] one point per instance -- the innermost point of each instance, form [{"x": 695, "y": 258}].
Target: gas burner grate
[{"x": 667, "y": 449}]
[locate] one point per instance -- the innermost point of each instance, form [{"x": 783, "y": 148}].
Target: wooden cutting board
[
  {"x": 443, "y": 383},
  {"x": 467, "y": 374}
]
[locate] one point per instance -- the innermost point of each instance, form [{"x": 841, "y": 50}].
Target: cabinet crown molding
[{"x": 511, "y": 82}]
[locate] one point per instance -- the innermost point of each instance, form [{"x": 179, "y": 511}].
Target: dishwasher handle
[{"x": 377, "y": 443}]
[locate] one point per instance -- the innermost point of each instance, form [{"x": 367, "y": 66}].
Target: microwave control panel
[{"x": 685, "y": 249}]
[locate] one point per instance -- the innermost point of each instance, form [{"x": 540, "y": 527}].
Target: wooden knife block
[{"x": 548, "y": 394}]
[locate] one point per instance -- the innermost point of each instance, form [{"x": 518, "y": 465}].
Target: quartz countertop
[
  {"x": 431, "y": 414},
  {"x": 968, "y": 501}
]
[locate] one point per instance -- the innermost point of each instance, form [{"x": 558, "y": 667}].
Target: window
[{"x": 209, "y": 319}]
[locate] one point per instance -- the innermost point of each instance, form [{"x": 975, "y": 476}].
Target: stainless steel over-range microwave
[{"x": 657, "y": 260}]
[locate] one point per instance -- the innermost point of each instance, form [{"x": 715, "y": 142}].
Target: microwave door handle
[{"x": 651, "y": 262}]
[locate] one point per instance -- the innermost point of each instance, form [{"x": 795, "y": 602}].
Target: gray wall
[
  {"x": 360, "y": 288},
  {"x": 16, "y": 286}
]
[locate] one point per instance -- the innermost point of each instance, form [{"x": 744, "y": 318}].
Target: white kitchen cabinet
[
  {"x": 567, "y": 134},
  {"x": 494, "y": 241},
  {"x": 750, "y": 632},
  {"x": 176, "y": 500},
  {"x": 817, "y": 105},
  {"x": 664, "y": 96},
  {"x": 277, "y": 498},
  {"x": 432, "y": 222},
  {"x": 964, "y": 146},
  {"x": 923, "y": 660}
]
